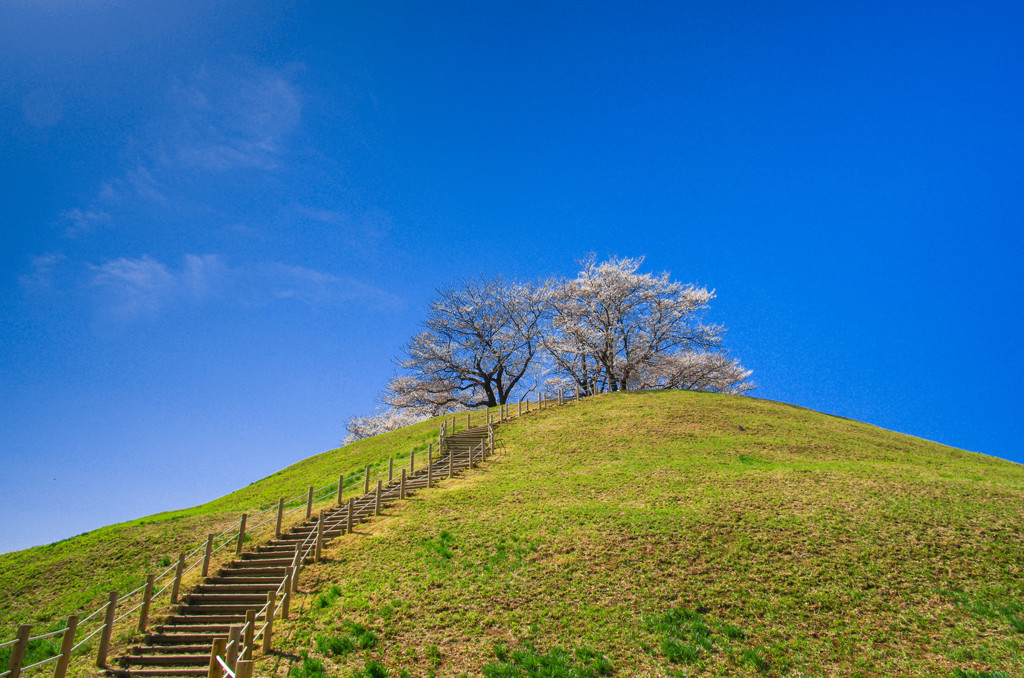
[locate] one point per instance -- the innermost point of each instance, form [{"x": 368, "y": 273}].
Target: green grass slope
[
  {"x": 43, "y": 585},
  {"x": 677, "y": 534}
]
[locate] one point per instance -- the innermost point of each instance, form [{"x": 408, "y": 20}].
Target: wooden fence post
[
  {"x": 298, "y": 569},
  {"x": 247, "y": 637},
  {"x": 468, "y": 415},
  {"x": 18, "y": 650},
  {"x": 402, "y": 490},
  {"x": 286, "y": 600},
  {"x": 412, "y": 462},
  {"x": 280, "y": 518},
  {"x": 234, "y": 642},
  {"x": 208, "y": 554},
  {"x": 318, "y": 553},
  {"x": 341, "y": 488},
  {"x": 391, "y": 469},
  {"x": 376, "y": 501},
  {"x": 241, "y": 535},
  {"x": 147, "y": 598},
  {"x": 216, "y": 649},
  {"x": 309, "y": 503},
  {"x": 269, "y": 631},
  {"x": 451, "y": 455},
  {"x": 351, "y": 508},
  {"x": 66, "y": 643},
  {"x": 179, "y": 570},
  {"x": 108, "y": 627},
  {"x": 366, "y": 481},
  {"x": 243, "y": 668},
  {"x": 430, "y": 469}
]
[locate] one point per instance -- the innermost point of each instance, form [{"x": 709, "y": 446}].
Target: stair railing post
[
  {"x": 341, "y": 488},
  {"x": 179, "y": 570},
  {"x": 216, "y": 649},
  {"x": 18, "y": 650},
  {"x": 402, "y": 490},
  {"x": 366, "y": 481},
  {"x": 309, "y": 503},
  {"x": 468, "y": 415},
  {"x": 430, "y": 469},
  {"x": 243, "y": 668},
  {"x": 271, "y": 612},
  {"x": 108, "y": 627},
  {"x": 318, "y": 556},
  {"x": 412, "y": 462},
  {"x": 348, "y": 518},
  {"x": 286, "y": 600},
  {"x": 208, "y": 554},
  {"x": 234, "y": 642},
  {"x": 241, "y": 535},
  {"x": 451, "y": 456},
  {"x": 147, "y": 599},
  {"x": 280, "y": 518},
  {"x": 376, "y": 500},
  {"x": 391, "y": 469},
  {"x": 247, "y": 637},
  {"x": 66, "y": 643}
]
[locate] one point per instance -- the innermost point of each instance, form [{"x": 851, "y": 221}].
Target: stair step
[
  {"x": 167, "y": 660},
  {"x": 180, "y": 671},
  {"x": 264, "y": 562},
  {"x": 172, "y": 649},
  {"x": 193, "y": 620},
  {"x": 239, "y": 598},
  {"x": 220, "y": 608},
  {"x": 195, "y": 629},
  {"x": 261, "y": 572},
  {"x": 174, "y": 640},
  {"x": 269, "y": 582}
]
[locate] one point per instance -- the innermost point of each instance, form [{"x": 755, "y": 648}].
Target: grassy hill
[
  {"x": 663, "y": 534},
  {"x": 42, "y": 585}
]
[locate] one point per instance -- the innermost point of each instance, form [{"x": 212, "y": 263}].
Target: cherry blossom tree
[
  {"x": 382, "y": 421},
  {"x": 697, "y": 371},
  {"x": 488, "y": 340},
  {"x": 479, "y": 339},
  {"x": 612, "y": 324}
]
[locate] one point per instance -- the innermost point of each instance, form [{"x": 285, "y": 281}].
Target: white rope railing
[
  {"x": 304, "y": 549},
  {"x": 40, "y": 663},
  {"x": 44, "y": 635}
]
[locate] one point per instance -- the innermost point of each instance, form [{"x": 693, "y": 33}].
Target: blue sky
[{"x": 221, "y": 220}]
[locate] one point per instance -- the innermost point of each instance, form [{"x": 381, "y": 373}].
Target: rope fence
[{"x": 225, "y": 661}]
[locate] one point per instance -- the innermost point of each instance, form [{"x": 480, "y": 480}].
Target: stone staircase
[{"x": 180, "y": 645}]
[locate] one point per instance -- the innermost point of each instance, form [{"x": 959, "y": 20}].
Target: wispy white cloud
[
  {"x": 221, "y": 120},
  {"x": 144, "y": 184},
  {"x": 236, "y": 120},
  {"x": 363, "y": 230},
  {"x": 132, "y": 287},
  {"x": 318, "y": 288},
  {"x": 40, "y": 274},
  {"x": 83, "y": 221}
]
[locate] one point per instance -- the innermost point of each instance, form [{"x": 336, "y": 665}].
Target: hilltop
[
  {"x": 655, "y": 533},
  {"x": 682, "y": 533}
]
